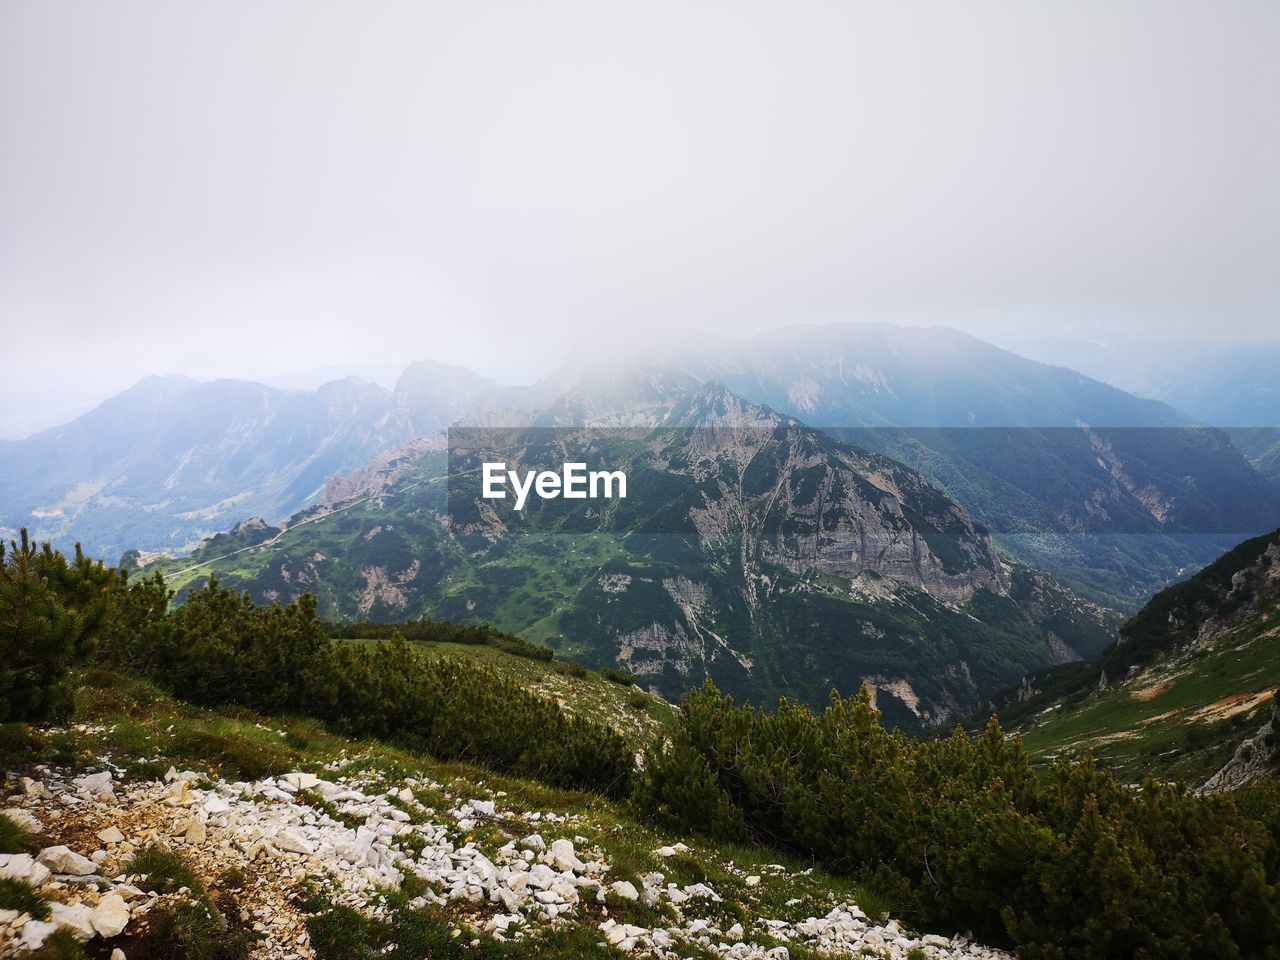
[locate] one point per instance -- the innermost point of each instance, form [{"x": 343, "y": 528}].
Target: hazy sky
[{"x": 248, "y": 188}]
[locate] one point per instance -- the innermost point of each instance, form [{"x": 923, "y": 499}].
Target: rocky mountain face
[
  {"x": 1113, "y": 494},
  {"x": 750, "y": 548},
  {"x": 1257, "y": 758},
  {"x": 1187, "y": 689}
]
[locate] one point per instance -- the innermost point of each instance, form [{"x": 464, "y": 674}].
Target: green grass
[
  {"x": 61, "y": 945},
  {"x": 193, "y": 929},
  {"x": 23, "y": 897},
  {"x": 1162, "y": 721},
  {"x": 13, "y": 839},
  {"x": 164, "y": 870}
]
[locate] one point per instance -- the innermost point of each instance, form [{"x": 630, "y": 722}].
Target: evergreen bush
[{"x": 1068, "y": 863}]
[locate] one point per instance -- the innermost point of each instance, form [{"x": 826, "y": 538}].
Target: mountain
[
  {"x": 1226, "y": 385},
  {"x": 1071, "y": 475},
  {"x": 1231, "y": 386},
  {"x": 400, "y": 854},
  {"x": 886, "y": 375},
  {"x": 431, "y": 395},
  {"x": 1187, "y": 682},
  {"x": 170, "y": 459},
  {"x": 750, "y": 548}
]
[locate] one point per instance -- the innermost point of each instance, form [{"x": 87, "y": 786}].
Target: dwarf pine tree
[{"x": 46, "y": 620}]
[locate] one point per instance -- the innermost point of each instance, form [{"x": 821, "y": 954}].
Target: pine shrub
[
  {"x": 50, "y": 611},
  {"x": 1068, "y": 863}
]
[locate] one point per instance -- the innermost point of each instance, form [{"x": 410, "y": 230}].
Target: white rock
[
  {"x": 624, "y": 889},
  {"x": 197, "y": 830},
  {"x": 22, "y": 866},
  {"x": 77, "y": 919},
  {"x": 111, "y": 835},
  {"x": 541, "y": 876},
  {"x": 117, "y": 954},
  {"x": 564, "y": 858},
  {"x": 215, "y": 804},
  {"x": 95, "y": 785},
  {"x": 753, "y": 881},
  {"x": 291, "y": 841},
  {"x": 300, "y": 781},
  {"x": 34, "y": 789},
  {"x": 61, "y": 859},
  {"x": 35, "y": 932},
  {"x": 110, "y": 916}
]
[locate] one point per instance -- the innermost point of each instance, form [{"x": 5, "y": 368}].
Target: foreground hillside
[
  {"x": 1189, "y": 680},
  {"x": 956, "y": 834},
  {"x": 163, "y": 830}
]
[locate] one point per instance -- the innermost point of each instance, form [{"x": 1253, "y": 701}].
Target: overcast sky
[{"x": 249, "y": 188}]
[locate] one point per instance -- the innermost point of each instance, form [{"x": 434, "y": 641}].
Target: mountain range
[
  {"x": 814, "y": 507},
  {"x": 750, "y": 548},
  {"x": 1070, "y": 474},
  {"x": 171, "y": 460}
]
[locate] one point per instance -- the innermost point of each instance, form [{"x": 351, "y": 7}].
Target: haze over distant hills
[
  {"x": 1224, "y": 385},
  {"x": 881, "y": 374},
  {"x": 170, "y": 460}
]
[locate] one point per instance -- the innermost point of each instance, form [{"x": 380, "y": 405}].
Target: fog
[{"x": 256, "y": 188}]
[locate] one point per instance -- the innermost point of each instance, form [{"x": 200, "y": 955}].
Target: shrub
[
  {"x": 50, "y": 610},
  {"x": 458, "y": 710},
  {"x": 618, "y": 676},
  {"x": 220, "y": 647},
  {"x": 962, "y": 829}
]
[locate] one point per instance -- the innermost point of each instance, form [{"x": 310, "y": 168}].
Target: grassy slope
[
  {"x": 638, "y": 716},
  {"x": 1179, "y": 719},
  {"x": 137, "y": 728}
]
